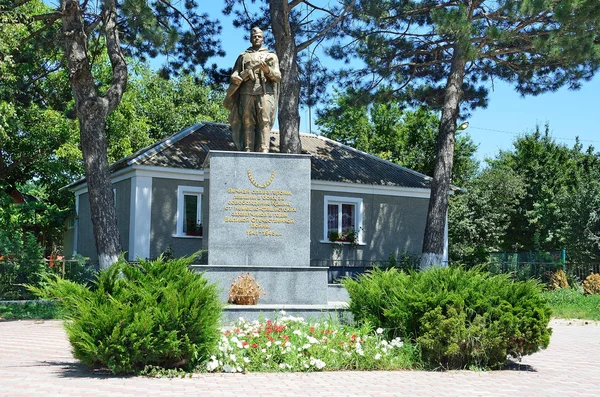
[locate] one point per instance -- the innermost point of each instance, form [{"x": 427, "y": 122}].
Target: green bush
[
  {"x": 155, "y": 313},
  {"x": 460, "y": 318}
]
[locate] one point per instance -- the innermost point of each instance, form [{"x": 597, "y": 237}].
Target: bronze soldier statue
[{"x": 252, "y": 95}]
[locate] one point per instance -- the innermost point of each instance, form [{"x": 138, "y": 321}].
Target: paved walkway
[{"x": 35, "y": 360}]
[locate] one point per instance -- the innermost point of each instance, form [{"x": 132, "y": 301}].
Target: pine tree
[{"x": 443, "y": 53}]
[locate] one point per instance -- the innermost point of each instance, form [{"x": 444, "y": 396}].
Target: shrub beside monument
[
  {"x": 459, "y": 318},
  {"x": 152, "y": 314}
]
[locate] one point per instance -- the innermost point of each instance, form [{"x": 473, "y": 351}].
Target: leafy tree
[
  {"x": 405, "y": 137},
  {"x": 87, "y": 30},
  {"x": 539, "y": 196},
  {"x": 560, "y": 206},
  {"x": 479, "y": 219},
  {"x": 153, "y": 108},
  {"x": 294, "y": 30},
  {"x": 443, "y": 53}
]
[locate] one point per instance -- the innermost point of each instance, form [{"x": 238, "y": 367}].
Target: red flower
[
  {"x": 286, "y": 337},
  {"x": 244, "y": 343},
  {"x": 254, "y": 345},
  {"x": 270, "y": 339},
  {"x": 353, "y": 337},
  {"x": 312, "y": 330}
]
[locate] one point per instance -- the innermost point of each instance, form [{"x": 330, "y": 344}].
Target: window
[
  {"x": 343, "y": 219},
  {"x": 189, "y": 211}
]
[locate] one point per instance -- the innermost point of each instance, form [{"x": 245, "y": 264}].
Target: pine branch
[{"x": 323, "y": 32}]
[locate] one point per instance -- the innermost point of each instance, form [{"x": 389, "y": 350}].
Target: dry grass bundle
[{"x": 245, "y": 290}]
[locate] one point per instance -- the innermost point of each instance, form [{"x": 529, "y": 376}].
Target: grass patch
[
  {"x": 29, "y": 311},
  {"x": 568, "y": 303}
]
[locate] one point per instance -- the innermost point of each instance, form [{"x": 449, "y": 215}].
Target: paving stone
[{"x": 35, "y": 360}]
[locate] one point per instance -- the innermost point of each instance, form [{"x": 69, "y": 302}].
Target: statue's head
[{"x": 256, "y": 37}]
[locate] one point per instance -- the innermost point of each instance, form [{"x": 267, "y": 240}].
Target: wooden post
[{"x": 63, "y": 268}]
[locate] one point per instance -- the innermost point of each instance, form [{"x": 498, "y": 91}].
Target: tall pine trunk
[
  {"x": 289, "y": 88},
  {"x": 92, "y": 112},
  {"x": 433, "y": 241}
]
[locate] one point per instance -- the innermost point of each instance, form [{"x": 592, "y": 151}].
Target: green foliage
[
  {"x": 479, "y": 219},
  {"x": 289, "y": 344},
  {"x": 460, "y": 318},
  {"x": 153, "y": 108},
  {"x": 570, "y": 303},
  {"x": 407, "y": 138},
  {"x": 591, "y": 284},
  {"x": 30, "y": 311},
  {"x": 539, "y": 196},
  {"x": 20, "y": 252},
  {"x": 155, "y": 313}
]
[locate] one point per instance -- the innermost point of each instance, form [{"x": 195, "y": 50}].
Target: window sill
[
  {"x": 186, "y": 236},
  {"x": 359, "y": 244}
]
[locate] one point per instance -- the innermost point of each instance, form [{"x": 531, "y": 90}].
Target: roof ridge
[
  {"x": 168, "y": 141},
  {"x": 324, "y": 138}
]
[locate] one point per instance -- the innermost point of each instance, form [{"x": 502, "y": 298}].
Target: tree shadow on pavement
[
  {"x": 516, "y": 366},
  {"x": 69, "y": 369}
]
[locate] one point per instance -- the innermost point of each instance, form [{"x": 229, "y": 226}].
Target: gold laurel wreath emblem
[{"x": 267, "y": 183}]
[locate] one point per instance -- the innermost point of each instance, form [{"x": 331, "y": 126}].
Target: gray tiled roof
[{"x": 331, "y": 161}]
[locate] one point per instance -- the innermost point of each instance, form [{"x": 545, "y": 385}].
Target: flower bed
[{"x": 289, "y": 344}]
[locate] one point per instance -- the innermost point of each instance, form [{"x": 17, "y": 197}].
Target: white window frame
[
  {"x": 358, "y": 202},
  {"x": 187, "y": 191}
]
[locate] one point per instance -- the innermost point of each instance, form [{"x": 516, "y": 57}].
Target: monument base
[{"x": 284, "y": 285}]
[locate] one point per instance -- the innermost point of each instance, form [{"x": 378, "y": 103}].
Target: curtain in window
[
  {"x": 332, "y": 218},
  {"x": 190, "y": 204}
]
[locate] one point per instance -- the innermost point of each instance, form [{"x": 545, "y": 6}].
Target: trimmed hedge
[
  {"x": 155, "y": 313},
  {"x": 460, "y": 318}
]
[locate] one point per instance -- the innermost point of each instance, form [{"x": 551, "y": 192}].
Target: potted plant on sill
[
  {"x": 194, "y": 229},
  {"x": 348, "y": 235}
]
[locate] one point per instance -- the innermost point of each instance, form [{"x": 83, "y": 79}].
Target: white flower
[
  {"x": 317, "y": 363},
  {"x": 379, "y": 330},
  {"x": 297, "y": 332},
  {"x": 263, "y": 350},
  {"x": 234, "y": 339},
  {"x": 232, "y": 357},
  {"x": 384, "y": 342},
  {"x": 312, "y": 340},
  {"x": 282, "y": 365},
  {"x": 278, "y": 342},
  {"x": 397, "y": 342},
  {"x": 228, "y": 368},
  {"x": 212, "y": 364},
  {"x": 377, "y": 356},
  {"x": 306, "y": 346},
  {"x": 239, "y": 369},
  {"x": 240, "y": 345},
  {"x": 269, "y": 344},
  {"x": 246, "y": 360},
  {"x": 283, "y": 313}
]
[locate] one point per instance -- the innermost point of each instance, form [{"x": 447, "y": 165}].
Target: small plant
[
  {"x": 348, "y": 235},
  {"x": 29, "y": 311},
  {"x": 194, "y": 229},
  {"x": 558, "y": 279},
  {"x": 245, "y": 290},
  {"x": 591, "y": 285}
]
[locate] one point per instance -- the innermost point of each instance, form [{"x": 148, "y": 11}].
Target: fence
[{"x": 339, "y": 269}]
